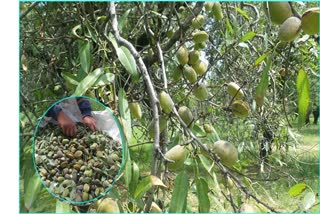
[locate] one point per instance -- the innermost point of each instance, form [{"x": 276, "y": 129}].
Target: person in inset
[{"x": 70, "y": 111}]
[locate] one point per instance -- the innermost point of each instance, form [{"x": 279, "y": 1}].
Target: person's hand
[
  {"x": 68, "y": 127},
  {"x": 90, "y": 122}
]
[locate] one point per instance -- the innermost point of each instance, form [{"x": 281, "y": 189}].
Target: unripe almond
[
  {"x": 108, "y": 205},
  {"x": 226, "y": 151},
  {"x": 194, "y": 56},
  {"x": 200, "y": 67},
  {"x": 200, "y": 46},
  {"x": 186, "y": 115},
  {"x": 289, "y": 29},
  {"x": 177, "y": 73},
  {"x": 190, "y": 74},
  {"x": 200, "y": 36},
  {"x": 217, "y": 11},
  {"x": 234, "y": 90},
  {"x": 178, "y": 154},
  {"x": 240, "y": 108},
  {"x": 279, "y": 11},
  {"x": 162, "y": 126},
  {"x": 208, "y": 128},
  {"x": 166, "y": 102},
  {"x": 208, "y": 6},
  {"x": 200, "y": 92},
  {"x": 310, "y": 21},
  {"x": 198, "y": 21},
  {"x": 183, "y": 55},
  {"x": 135, "y": 110},
  {"x": 155, "y": 208}
]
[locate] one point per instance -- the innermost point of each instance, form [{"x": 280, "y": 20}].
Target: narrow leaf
[
  {"x": 244, "y": 14},
  {"x": 126, "y": 59},
  {"x": 260, "y": 59},
  {"x": 229, "y": 27},
  {"x": 308, "y": 201},
  {"x": 134, "y": 178},
  {"x": 69, "y": 78},
  {"x": 303, "y": 96},
  {"x": 85, "y": 56},
  {"x": 180, "y": 193},
  {"x": 128, "y": 170},
  {"x": 248, "y": 36},
  {"x": 123, "y": 20},
  {"x": 297, "y": 189},
  {"x": 263, "y": 85},
  {"x": 105, "y": 79},
  {"x": 146, "y": 184},
  {"x": 88, "y": 81},
  {"x": 32, "y": 190},
  {"x": 202, "y": 193},
  {"x": 125, "y": 113}
]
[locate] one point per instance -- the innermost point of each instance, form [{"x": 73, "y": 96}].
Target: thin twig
[{"x": 28, "y": 10}]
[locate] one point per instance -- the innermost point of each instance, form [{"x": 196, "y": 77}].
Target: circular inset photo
[{"x": 78, "y": 149}]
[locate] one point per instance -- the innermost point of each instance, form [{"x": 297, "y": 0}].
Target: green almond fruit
[
  {"x": 162, "y": 124},
  {"x": 108, "y": 205},
  {"x": 200, "y": 36},
  {"x": 234, "y": 90},
  {"x": 200, "y": 46},
  {"x": 166, "y": 102},
  {"x": 208, "y": 128},
  {"x": 289, "y": 29},
  {"x": 178, "y": 154},
  {"x": 177, "y": 73},
  {"x": 310, "y": 21},
  {"x": 279, "y": 11},
  {"x": 200, "y": 67},
  {"x": 183, "y": 55},
  {"x": 135, "y": 110},
  {"x": 200, "y": 92},
  {"x": 217, "y": 11},
  {"x": 194, "y": 56},
  {"x": 186, "y": 115},
  {"x": 208, "y": 6},
  {"x": 198, "y": 21},
  {"x": 240, "y": 108},
  {"x": 226, "y": 151},
  {"x": 190, "y": 74}
]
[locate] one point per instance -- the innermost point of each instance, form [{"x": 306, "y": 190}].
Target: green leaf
[
  {"x": 303, "y": 96},
  {"x": 263, "y": 85},
  {"x": 71, "y": 80},
  {"x": 105, "y": 79},
  {"x": 244, "y": 14},
  {"x": 123, "y": 20},
  {"x": 127, "y": 170},
  {"x": 134, "y": 178},
  {"x": 180, "y": 193},
  {"x": 125, "y": 58},
  {"x": 260, "y": 59},
  {"x": 85, "y": 56},
  {"x": 88, "y": 81},
  {"x": 248, "y": 36},
  {"x": 146, "y": 184},
  {"x": 229, "y": 27},
  {"x": 202, "y": 193},
  {"x": 32, "y": 190},
  {"x": 63, "y": 207},
  {"x": 297, "y": 189},
  {"x": 125, "y": 113},
  {"x": 308, "y": 201}
]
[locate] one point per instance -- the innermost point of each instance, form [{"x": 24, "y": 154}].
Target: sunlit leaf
[
  {"x": 134, "y": 178},
  {"x": 297, "y": 189},
  {"x": 145, "y": 184},
  {"x": 123, "y": 20},
  {"x": 63, "y": 207},
  {"x": 125, "y": 58},
  {"x": 125, "y": 113},
  {"x": 180, "y": 193},
  {"x": 263, "y": 84},
  {"x": 85, "y": 56},
  {"x": 127, "y": 170},
  {"x": 32, "y": 191},
  {"x": 88, "y": 81},
  {"x": 247, "y": 36},
  {"x": 202, "y": 193},
  {"x": 244, "y": 14},
  {"x": 260, "y": 59},
  {"x": 303, "y": 89}
]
